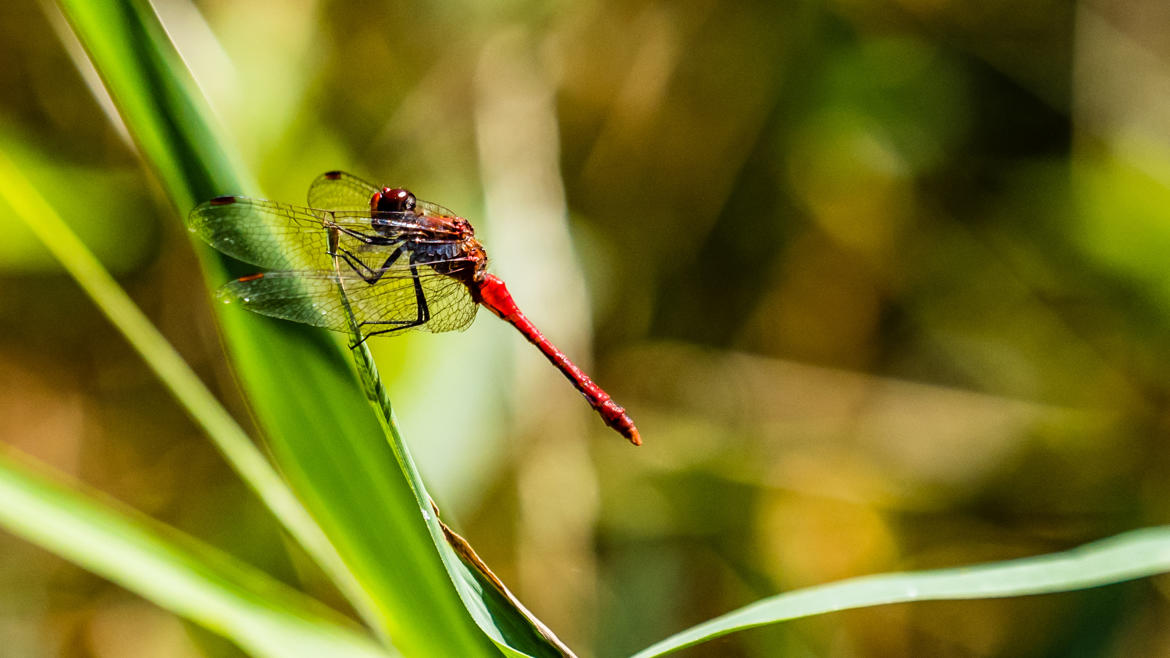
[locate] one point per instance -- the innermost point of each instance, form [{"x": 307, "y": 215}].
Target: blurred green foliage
[{"x": 882, "y": 284}]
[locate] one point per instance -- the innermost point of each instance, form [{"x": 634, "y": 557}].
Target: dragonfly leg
[
  {"x": 370, "y": 275},
  {"x": 368, "y": 239},
  {"x": 424, "y": 313}
]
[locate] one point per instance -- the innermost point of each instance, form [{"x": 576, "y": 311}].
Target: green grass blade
[
  {"x": 163, "y": 112},
  {"x": 174, "y": 571},
  {"x": 30, "y": 207},
  {"x": 1131, "y": 555},
  {"x": 301, "y": 386},
  {"x": 514, "y": 629}
]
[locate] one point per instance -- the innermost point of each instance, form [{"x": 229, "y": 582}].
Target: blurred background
[{"x": 884, "y": 284}]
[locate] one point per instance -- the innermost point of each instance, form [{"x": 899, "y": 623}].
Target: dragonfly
[{"x": 391, "y": 261}]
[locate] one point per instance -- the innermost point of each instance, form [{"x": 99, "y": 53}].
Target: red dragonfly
[{"x": 402, "y": 262}]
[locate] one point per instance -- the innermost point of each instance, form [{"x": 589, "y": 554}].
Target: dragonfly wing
[
  {"x": 337, "y": 190},
  {"x": 391, "y": 303},
  {"x": 295, "y": 296},
  {"x": 280, "y": 236},
  {"x": 449, "y": 302},
  {"x": 265, "y": 233}
]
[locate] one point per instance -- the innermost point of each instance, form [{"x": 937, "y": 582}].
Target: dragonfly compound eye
[{"x": 394, "y": 200}]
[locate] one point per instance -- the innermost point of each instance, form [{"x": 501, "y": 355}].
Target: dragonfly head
[{"x": 393, "y": 199}]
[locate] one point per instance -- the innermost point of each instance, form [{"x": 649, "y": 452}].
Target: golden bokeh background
[{"x": 885, "y": 286}]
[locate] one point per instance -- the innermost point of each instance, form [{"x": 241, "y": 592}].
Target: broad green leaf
[
  {"x": 1124, "y": 557},
  {"x": 174, "y": 571},
  {"x": 299, "y": 381}
]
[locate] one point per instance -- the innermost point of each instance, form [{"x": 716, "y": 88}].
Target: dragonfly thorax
[
  {"x": 426, "y": 253},
  {"x": 459, "y": 256},
  {"x": 463, "y": 259}
]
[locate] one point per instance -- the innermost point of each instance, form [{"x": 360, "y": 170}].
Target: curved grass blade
[
  {"x": 331, "y": 449},
  {"x": 264, "y": 617},
  {"x": 1127, "y": 556},
  {"x": 228, "y": 436},
  {"x": 514, "y": 629}
]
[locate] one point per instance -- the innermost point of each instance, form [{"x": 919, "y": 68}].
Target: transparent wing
[
  {"x": 434, "y": 210},
  {"x": 281, "y": 236},
  {"x": 337, "y": 190},
  {"x": 264, "y": 233},
  {"x": 391, "y": 303}
]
